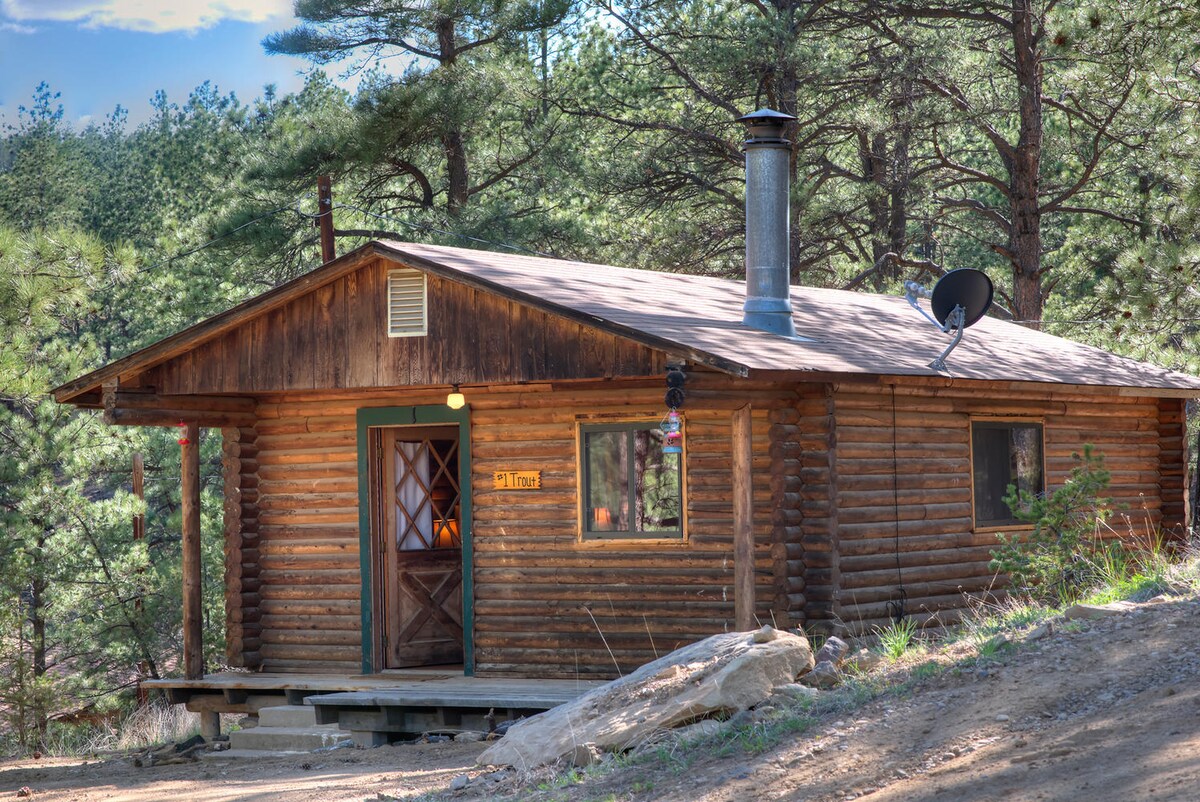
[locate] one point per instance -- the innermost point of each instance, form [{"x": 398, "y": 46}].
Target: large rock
[
  {"x": 1091, "y": 612},
  {"x": 722, "y": 674}
]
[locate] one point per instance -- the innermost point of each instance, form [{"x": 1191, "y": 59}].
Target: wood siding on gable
[
  {"x": 335, "y": 337},
  {"x": 544, "y": 603},
  {"x": 918, "y": 532}
]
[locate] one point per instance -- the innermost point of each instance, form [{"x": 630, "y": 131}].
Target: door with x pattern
[{"x": 418, "y": 504}]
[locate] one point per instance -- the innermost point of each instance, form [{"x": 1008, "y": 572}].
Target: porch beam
[
  {"x": 198, "y": 403},
  {"x": 193, "y": 653},
  {"x": 171, "y": 417},
  {"x": 743, "y": 521}
]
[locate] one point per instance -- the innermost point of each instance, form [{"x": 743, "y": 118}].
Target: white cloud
[
  {"x": 14, "y": 27},
  {"x": 151, "y": 16}
]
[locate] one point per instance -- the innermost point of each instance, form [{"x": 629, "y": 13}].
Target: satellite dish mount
[{"x": 959, "y": 299}]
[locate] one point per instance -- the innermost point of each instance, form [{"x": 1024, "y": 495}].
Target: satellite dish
[
  {"x": 959, "y": 299},
  {"x": 970, "y": 289}
]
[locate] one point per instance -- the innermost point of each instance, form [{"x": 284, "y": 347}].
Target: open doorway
[{"x": 417, "y": 542}]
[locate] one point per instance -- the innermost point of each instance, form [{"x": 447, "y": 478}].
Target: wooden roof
[{"x": 699, "y": 318}]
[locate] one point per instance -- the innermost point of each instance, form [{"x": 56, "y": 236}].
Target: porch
[{"x": 376, "y": 708}]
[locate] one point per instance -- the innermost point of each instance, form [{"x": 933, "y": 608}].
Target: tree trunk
[
  {"x": 1025, "y": 237},
  {"x": 37, "y": 619},
  {"x": 453, "y": 140},
  {"x": 875, "y": 170}
]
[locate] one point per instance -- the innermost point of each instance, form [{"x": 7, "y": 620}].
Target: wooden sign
[{"x": 517, "y": 480}]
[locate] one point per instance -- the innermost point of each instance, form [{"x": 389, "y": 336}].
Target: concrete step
[
  {"x": 288, "y": 739},
  {"x": 287, "y": 716}
]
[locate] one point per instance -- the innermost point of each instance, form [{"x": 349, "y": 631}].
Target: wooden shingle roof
[
  {"x": 838, "y": 331},
  {"x": 699, "y": 318}
]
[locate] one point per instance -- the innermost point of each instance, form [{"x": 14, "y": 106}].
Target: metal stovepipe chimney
[{"x": 768, "y": 303}]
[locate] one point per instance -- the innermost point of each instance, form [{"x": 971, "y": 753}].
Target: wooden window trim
[
  {"x": 971, "y": 421},
  {"x": 633, "y": 539}
]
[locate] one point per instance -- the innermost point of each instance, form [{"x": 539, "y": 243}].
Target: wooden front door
[{"x": 418, "y": 506}]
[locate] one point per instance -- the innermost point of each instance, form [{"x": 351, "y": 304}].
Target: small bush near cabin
[{"x": 1056, "y": 562}]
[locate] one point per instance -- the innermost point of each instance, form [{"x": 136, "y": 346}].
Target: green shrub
[{"x": 1056, "y": 562}]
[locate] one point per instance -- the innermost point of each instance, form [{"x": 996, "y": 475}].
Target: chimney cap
[{"x": 765, "y": 116}]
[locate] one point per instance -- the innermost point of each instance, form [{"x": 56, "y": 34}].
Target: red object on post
[{"x": 183, "y": 439}]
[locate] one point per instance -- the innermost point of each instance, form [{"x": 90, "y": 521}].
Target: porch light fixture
[{"x": 456, "y": 400}]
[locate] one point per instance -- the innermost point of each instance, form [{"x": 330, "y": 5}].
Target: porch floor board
[{"x": 380, "y": 708}]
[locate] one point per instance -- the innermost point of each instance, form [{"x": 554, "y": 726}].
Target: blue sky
[{"x": 99, "y": 53}]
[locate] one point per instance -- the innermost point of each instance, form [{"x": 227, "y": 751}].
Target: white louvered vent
[{"x": 406, "y": 303}]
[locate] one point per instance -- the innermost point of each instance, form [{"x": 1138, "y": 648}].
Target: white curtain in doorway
[{"x": 412, "y": 494}]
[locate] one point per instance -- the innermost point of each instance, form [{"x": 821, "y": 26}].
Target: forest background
[{"x": 1052, "y": 144}]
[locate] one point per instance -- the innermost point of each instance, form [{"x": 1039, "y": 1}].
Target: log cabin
[{"x": 441, "y": 456}]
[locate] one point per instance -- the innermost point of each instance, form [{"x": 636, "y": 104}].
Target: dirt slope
[
  {"x": 1108, "y": 713},
  {"x": 1111, "y": 712}
]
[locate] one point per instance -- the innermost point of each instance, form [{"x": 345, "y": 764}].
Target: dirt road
[{"x": 1107, "y": 710}]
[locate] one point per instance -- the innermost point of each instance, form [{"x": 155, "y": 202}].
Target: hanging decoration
[
  {"x": 671, "y": 426},
  {"x": 183, "y": 438},
  {"x": 672, "y": 434}
]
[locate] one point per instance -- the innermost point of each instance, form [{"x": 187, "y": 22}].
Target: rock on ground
[{"x": 722, "y": 674}]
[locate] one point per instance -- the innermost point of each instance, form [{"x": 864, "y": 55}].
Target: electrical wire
[
  {"x": 896, "y": 608},
  {"x": 214, "y": 240},
  {"x": 423, "y": 227}
]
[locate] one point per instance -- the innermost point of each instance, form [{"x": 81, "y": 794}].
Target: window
[
  {"x": 1004, "y": 453},
  {"x": 406, "y": 303},
  {"x": 631, "y": 489}
]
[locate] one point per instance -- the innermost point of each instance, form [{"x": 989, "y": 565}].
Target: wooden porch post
[
  {"x": 193, "y": 652},
  {"x": 743, "y": 521}
]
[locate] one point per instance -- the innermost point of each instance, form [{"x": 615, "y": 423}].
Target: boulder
[
  {"x": 865, "y": 660},
  {"x": 722, "y": 674},
  {"x": 835, "y": 650},
  {"x": 1090, "y": 612},
  {"x": 795, "y": 692},
  {"x": 824, "y": 675}
]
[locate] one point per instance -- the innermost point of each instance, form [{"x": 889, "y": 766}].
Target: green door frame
[{"x": 415, "y": 416}]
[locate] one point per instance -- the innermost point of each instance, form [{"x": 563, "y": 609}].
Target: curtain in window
[{"x": 414, "y": 524}]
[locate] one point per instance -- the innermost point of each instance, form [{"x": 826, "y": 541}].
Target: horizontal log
[
  {"x": 316, "y": 637},
  {"x": 620, "y": 610},
  {"x": 886, "y": 544},
  {"x": 299, "y": 666},
  {"x": 850, "y": 499},
  {"x": 326, "y": 621},
  {"x": 310, "y": 546},
  {"x": 308, "y": 456},
  {"x": 916, "y": 591},
  {"x": 856, "y": 581},
  {"x": 890, "y": 527},
  {"x": 305, "y": 653},
  {"x": 317, "y": 607},
  {"x": 324, "y": 593},
  {"x": 922, "y": 512}
]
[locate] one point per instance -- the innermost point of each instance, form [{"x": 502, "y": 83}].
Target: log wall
[
  {"x": 545, "y": 604},
  {"x": 1173, "y": 466},
  {"x": 912, "y": 527},
  {"x": 239, "y": 463},
  {"x": 814, "y": 554},
  {"x": 838, "y": 528}
]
